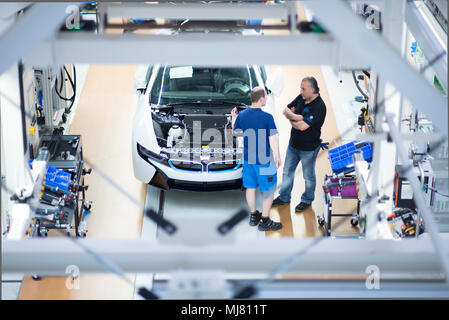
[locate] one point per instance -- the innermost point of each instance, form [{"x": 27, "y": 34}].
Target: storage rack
[{"x": 63, "y": 202}]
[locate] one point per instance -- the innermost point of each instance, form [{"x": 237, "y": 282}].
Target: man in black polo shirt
[{"x": 306, "y": 114}]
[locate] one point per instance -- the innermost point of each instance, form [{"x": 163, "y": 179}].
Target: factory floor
[{"x": 104, "y": 117}]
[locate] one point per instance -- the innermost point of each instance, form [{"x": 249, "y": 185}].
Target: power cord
[
  {"x": 72, "y": 83},
  {"x": 436, "y": 191},
  {"x": 358, "y": 87}
]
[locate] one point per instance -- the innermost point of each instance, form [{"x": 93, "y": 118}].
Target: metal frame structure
[
  {"x": 427, "y": 37},
  {"x": 369, "y": 45},
  {"x": 198, "y": 11},
  {"x": 223, "y": 49},
  {"x": 412, "y": 259},
  {"x": 384, "y": 152},
  {"x": 13, "y": 175},
  {"x": 29, "y": 30}
]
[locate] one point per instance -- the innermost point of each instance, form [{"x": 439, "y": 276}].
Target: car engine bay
[{"x": 196, "y": 136}]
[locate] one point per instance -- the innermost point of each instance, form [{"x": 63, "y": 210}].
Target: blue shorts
[{"x": 263, "y": 176}]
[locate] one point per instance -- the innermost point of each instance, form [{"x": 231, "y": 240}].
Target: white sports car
[{"x": 182, "y": 138}]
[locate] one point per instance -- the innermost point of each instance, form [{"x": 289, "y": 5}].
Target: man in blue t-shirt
[{"x": 259, "y": 165}]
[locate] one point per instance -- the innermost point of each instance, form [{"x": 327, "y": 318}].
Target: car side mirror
[
  {"x": 140, "y": 79},
  {"x": 275, "y": 82}
]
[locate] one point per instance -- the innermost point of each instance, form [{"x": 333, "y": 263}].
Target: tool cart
[
  {"x": 62, "y": 203},
  {"x": 342, "y": 184},
  {"x": 338, "y": 188}
]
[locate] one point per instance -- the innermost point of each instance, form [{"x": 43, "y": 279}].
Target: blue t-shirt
[{"x": 257, "y": 127}]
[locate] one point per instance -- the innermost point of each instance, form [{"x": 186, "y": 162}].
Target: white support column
[
  {"x": 393, "y": 31},
  {"x": 384, "y": 153},
  {"x": 5, "y": 202},
  {"x": 13, "y": 158},
  {"x": 293, "y": 15}
]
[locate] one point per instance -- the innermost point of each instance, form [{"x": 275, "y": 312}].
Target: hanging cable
[
  {"x": 357, "y": 85},
  {"x": 72, "y": 83},
  {"x": 436, "y": 191}
]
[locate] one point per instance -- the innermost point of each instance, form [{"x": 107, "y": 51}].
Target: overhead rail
[
  {"x": 203, "y": 49},
  {"x": 198, "y": 11},
  {"x": 50, "y": 256},
  {"x": 40, "y": 21}
]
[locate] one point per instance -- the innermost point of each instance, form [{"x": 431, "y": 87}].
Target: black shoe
[
  {"x": 269, "y": 225},
  {"x": 279, "y": 202},
  {"x": 254, "y": 218},
  {"x": 302, "y": 207}
]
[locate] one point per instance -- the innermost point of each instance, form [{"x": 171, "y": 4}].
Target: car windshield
[{"x": 202, "y": 84}]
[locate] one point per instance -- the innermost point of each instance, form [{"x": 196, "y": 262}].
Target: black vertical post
[{"x": 22, "y": 107}]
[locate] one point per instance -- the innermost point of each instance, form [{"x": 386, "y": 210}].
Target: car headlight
[{"x": 143, "y": 152}]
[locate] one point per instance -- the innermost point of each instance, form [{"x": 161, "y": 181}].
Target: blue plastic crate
[
  {"x": 56, "y": 177},
  {"x": 51, "y": 176},
  {"x": 58, "y": 172},
  {"x": 341, "y": 157},
  {"x": 57, "y": 181}
]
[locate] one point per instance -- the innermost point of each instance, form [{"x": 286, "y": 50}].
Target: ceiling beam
[
  {"x": 346, "y": 256},
  {"x": 198, "y": 11},
  {"x": 37, "y": 23},
  {"x": 196, "y": 49}
]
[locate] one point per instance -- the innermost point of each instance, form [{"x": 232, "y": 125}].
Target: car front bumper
[{"x": 163, "y": 175}]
